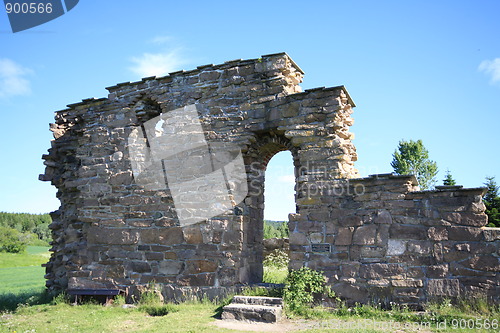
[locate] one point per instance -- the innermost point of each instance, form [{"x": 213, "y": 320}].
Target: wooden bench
[{"x": 107, "y": 293}]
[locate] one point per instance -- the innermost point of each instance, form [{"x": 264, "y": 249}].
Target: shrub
[
  {"x": 11, "y": 241},
  {"x": 158, "y": 310},
  {"x": 277, "y": 258},
  {"x": 151, "y": 295},
  {"x": 302, "y": 285}
]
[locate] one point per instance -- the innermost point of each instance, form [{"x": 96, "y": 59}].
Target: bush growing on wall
[{"x": 301, "y": 285}]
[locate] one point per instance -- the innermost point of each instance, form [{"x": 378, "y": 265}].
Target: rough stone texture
[
  {"x": 377, "y": 238},
  {"x": 273, "y": 244},
  {"x": 254, "y": 308}
]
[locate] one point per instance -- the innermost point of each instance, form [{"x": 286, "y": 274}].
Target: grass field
[
  {"x": 23, "y": 272},
  {"x": 34, "y": 256},
  {"x": 97, "y": 318},
  {"x": 201, "y": 317},
  {"x": 20, "y": 279}
]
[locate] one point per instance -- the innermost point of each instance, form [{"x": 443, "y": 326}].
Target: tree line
[
  {"x": 18, "y": 230},
  {"x": 275, "y": 229}
]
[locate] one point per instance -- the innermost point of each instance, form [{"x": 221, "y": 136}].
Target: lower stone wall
[
  {"x": 273, "y": 244},
  {"x": 379, "y": 239},
  {"x": 178, "y": 294}
]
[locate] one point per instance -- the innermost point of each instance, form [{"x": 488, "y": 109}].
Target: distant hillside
[
  {"x": 17, "y": 230},
  {"x": 275, "y": 229}
]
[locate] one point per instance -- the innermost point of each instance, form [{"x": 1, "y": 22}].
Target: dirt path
[
  {"x": 287, "y": 325},
  {"x": 281, "y": 327}
]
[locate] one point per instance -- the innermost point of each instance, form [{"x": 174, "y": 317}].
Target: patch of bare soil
[
  {"x": 287, "y": 325},
  {"x": 250, "y": 326}
]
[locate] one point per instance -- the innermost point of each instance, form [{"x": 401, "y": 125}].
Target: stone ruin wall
[{"x": 376, "y": 238}]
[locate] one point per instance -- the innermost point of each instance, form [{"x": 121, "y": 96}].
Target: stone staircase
[{"x": 254, "y": 308}]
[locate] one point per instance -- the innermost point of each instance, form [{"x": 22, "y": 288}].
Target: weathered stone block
[
  {"x": 200, "y": 266},
  {"x": 437, "y": 271},
  {"x": 437, "y": 233},
  {"x": 355, "y": 293},
  {"x": 379, "y": 271},
  {"x": 382, "y": 235},
  {"x": 365, "y": 235},
  {"x": 98, "y": 235},
  {"x": 383, "y": 217},
  {"x": 443, "y": 287},
  {"x": 415, "y": 272},
  {"x": 465, "y": 233},
  {"x": 407, "y": 283},
  {"x": 162, "y": 236},
  {"x": 372, "y": 252},
  {"x": 298, "y": 238},
  {"x": 396, "y": 247},
  {"x": 419, "y": 247},
  {"x": 491, "y": 234},
  {"x": 316, "y": 237},
  {"x": 140, "y": 267},
  {"x": 154, "y": 256},
  {"x": 487, "y": 263},
  {"x": 466, "y": 218},
  {"x": 344, "y": 236},
  {"x": 351, "y": 221},
  {"x": 170, "y": 267},
  {"x": 398, "y": 231},
  {"x": 205, "y": 279},
  {"x": 192, "y": 234}
]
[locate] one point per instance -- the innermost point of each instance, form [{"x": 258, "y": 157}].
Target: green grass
[
  {"x": 274, "y": 275},
  {"x": 188, "y": 317},
  {"x": 20, "y": 279},
  {"x": 34, "y": 256},
  {"x": 22, "y": 272},
  {"x": 199, "y": 317}
]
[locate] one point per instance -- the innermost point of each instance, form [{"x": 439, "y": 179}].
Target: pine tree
[
  {"x": 411, "y": 158},
  {"x": 448, "y": 179},
  {"x": 492, "y": 202}
]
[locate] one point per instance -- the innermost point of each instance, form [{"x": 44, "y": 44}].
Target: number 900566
[{"x": 28, "y": 8}]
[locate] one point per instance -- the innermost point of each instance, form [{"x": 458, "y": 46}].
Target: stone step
[
  {"x": 252, "y": 312},
  {"x": 258, "y": 300}
]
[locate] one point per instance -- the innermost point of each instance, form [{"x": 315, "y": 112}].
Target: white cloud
[
  {"x": 159, "y": 64},
  {"x": 160, "y": 39},
  {"x": 491, "y": 67},
  {"x": 13, "y": 79}
]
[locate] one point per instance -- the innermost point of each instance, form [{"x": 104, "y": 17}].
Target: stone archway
[{"x": 256, "y": 159}]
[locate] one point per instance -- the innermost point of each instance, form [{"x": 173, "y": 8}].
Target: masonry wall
[
  {"x": 374, "y": 238},
  {"x": 390, "y": 242}
]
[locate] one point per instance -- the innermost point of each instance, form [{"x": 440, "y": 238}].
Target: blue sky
[{"x": 416, "y": 69}]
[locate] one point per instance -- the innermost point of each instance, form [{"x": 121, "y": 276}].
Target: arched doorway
[{"x": 256, "y": 161}]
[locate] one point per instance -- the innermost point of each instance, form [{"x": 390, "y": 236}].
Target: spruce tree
[
  {"x": 448, "y": 179},
  {"x": 492, "y": 202}
]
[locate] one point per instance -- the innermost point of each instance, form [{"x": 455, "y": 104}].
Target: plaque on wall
[{"x": 321, "y": 247}]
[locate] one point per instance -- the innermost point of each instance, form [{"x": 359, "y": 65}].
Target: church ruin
[{"x": 376, "y": 239}]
